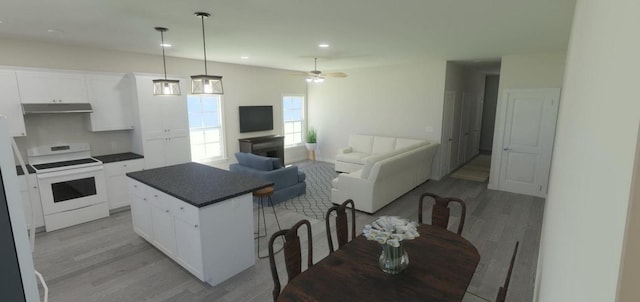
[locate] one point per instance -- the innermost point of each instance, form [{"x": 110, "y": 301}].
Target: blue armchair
[{"x": 288, "y": 181}]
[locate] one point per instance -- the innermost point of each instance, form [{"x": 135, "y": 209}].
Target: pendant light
[
  {"x": 204, "y": 83},
  {"x": 165, "y": 86}
]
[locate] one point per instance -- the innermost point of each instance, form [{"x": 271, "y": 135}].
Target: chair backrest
[
  {"x": 502, "y": 292},
  {"x": 441, "y": 211},
  {"x": 342, "y": 228},
  {"x": 292, "y": 253}
]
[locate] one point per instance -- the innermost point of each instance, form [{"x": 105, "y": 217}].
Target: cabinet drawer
[
  {"x": 186, "y": 212},
  {"x": 137, "y": 188}
]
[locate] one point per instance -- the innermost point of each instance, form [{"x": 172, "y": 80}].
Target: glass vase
[{"x": 393, "y": 260}]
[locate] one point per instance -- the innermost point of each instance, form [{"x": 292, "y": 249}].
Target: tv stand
[{"x": 269, "y": 146}]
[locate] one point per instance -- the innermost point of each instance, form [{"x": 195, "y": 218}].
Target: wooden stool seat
[{"x": 264, "y": 192}]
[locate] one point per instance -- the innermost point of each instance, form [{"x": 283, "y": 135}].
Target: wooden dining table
[{"x": 441, "y": 265}]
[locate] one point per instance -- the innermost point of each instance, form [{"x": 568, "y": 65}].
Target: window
[
  {"x": 205, "y": 127},
  {"x": 293, "y": 113}
]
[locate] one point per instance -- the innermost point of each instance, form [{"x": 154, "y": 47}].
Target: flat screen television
[{"x": 256, "y": 118}]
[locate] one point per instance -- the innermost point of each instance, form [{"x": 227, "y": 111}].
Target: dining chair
[
  {"x": 502, "y": 292},
  {"x": 441, "y": 211},
  {"x": 342, "y": 224},
  {"x": 292, "y": 253}
]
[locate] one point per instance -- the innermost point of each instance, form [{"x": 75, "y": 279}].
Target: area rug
[
  {"x": 317, "y": 200},
  {"x": 476, "y": 170}
]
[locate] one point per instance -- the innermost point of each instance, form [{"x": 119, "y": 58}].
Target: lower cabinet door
[
  {"x": 189, "y": 247},
  {"x": 164, "y": 236},
  {"x": 141, "y": 216}
]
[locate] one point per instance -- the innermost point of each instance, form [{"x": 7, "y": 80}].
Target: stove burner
[{"x": 64, "y": 163}]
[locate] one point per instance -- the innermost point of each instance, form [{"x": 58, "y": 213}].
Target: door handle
[{"x": 506, "y": 149}]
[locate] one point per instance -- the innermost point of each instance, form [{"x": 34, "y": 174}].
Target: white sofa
[
  {"x": 363, "y": 147},
  {"x": 376, "y": 179}
]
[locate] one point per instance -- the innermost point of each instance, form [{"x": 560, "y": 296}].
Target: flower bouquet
[{"x": 391, "y": 231}]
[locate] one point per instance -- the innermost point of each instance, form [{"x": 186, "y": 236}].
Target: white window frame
[
  {"x": 222, "y": 128},
  {"x": 302, "y": 121}
]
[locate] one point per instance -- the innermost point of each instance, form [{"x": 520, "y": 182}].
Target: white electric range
[{"x": 72, "y": 184}]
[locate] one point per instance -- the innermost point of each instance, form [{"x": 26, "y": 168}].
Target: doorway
[{"x": 489, "y": 113}]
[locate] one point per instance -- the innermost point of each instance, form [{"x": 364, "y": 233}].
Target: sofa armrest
[
  {"x": 282, "y": 178},
  {"x": 351, "y": 186},
  {"x": 345, "y": 150}
]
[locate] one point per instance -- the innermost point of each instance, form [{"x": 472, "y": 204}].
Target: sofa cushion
[
  {"x": 383, "y": 144},
  {"x": 353, "y": 157},
  {"x": 255, "y": 161},
  {"x": 361, "y": 143},
  {"x": 406, "y": 142},
  {"x": 276, "y": 163}
]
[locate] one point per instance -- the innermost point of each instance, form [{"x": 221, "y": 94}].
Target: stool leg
[
  {"x": 264, "y": 221},
  {"x": 258, "y": 233},
  {"x": 274, "y": 212}
]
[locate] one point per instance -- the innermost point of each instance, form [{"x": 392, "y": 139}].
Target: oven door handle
[{"x": 69, "y": 172}]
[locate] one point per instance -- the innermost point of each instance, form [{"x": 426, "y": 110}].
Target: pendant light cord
[
  {"x": 204, "y": 44},
  {"x": 164, "y": 62}
]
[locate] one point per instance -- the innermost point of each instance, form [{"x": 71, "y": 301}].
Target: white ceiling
[{"x": 285, "y": 33}]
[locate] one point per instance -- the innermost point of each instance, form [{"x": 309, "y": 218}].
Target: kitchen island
[{"x": 199, "y": 216}]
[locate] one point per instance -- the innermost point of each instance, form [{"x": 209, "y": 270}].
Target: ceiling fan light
[
  {"x": 309, "y": 79},
  {"x": 318, "y": 80},
  {"x": 206, "y": 84}
]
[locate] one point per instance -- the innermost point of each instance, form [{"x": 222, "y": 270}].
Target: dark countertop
[
  {"x": 29, "y": 168},
  {"x": 197, "y": 184},
  {"x": 111, "y": 158}
]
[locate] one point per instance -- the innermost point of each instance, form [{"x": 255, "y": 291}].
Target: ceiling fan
[{"x": 317, "y": 76}]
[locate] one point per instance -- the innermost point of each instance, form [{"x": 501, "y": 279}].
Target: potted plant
[{"x": 311, "y": 139}]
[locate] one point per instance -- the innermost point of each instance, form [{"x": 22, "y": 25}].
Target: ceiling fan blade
[{"x": 335, "y": 74}]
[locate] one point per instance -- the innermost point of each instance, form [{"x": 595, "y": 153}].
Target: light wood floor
[{"x": 105, "y": 260}]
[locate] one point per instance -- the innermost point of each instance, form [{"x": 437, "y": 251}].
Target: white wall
[
  {"x": 592, "y": 165},
  {"x": 401, "y": 100},
  {"x": 243, "y": 85},
  {"x": 524, "y": 71},
  {"x": 630, "y": 267}
]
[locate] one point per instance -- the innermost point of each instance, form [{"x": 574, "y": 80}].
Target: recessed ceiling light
[
  {"x": 323, "y": 45},
  {"x": 244, "y": 57},
  {"x": 165, "y": 45},
  {"x": 55, "y": 31}
]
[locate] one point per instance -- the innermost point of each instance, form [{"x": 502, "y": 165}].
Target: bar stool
[{"x": 265, "y": 195}]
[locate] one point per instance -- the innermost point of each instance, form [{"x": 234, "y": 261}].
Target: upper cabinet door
[
  {"x": 52, "y": 87},
  {"x": 110, "y": 97},
  {"x": 10, "y": 105}
]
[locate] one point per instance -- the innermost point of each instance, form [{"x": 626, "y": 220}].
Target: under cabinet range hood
[{"x": 56, "y": 108}]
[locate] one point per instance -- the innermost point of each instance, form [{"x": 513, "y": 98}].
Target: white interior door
[
  {"x": 530, "y": 126},
  {"x": 447, "y": 131}
]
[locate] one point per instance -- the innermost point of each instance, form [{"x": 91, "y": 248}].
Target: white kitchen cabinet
[
  {"x": 164, "y": 236},
  {"x": 163, "y": 130},
  {"x": 31, "y": 200},
  {"x": 110, "y": 97},
  {"x": 52, "y": 87},
  {"x": 117, "y": 192},
  {"x": 199, "y": 239},
  {"x": 189, "y": 246},
  {"x": 140, "y": 210},
  {"x": 10, "y": 105}
]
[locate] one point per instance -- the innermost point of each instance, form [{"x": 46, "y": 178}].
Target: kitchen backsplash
[{"x": 47, "y": 129}]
